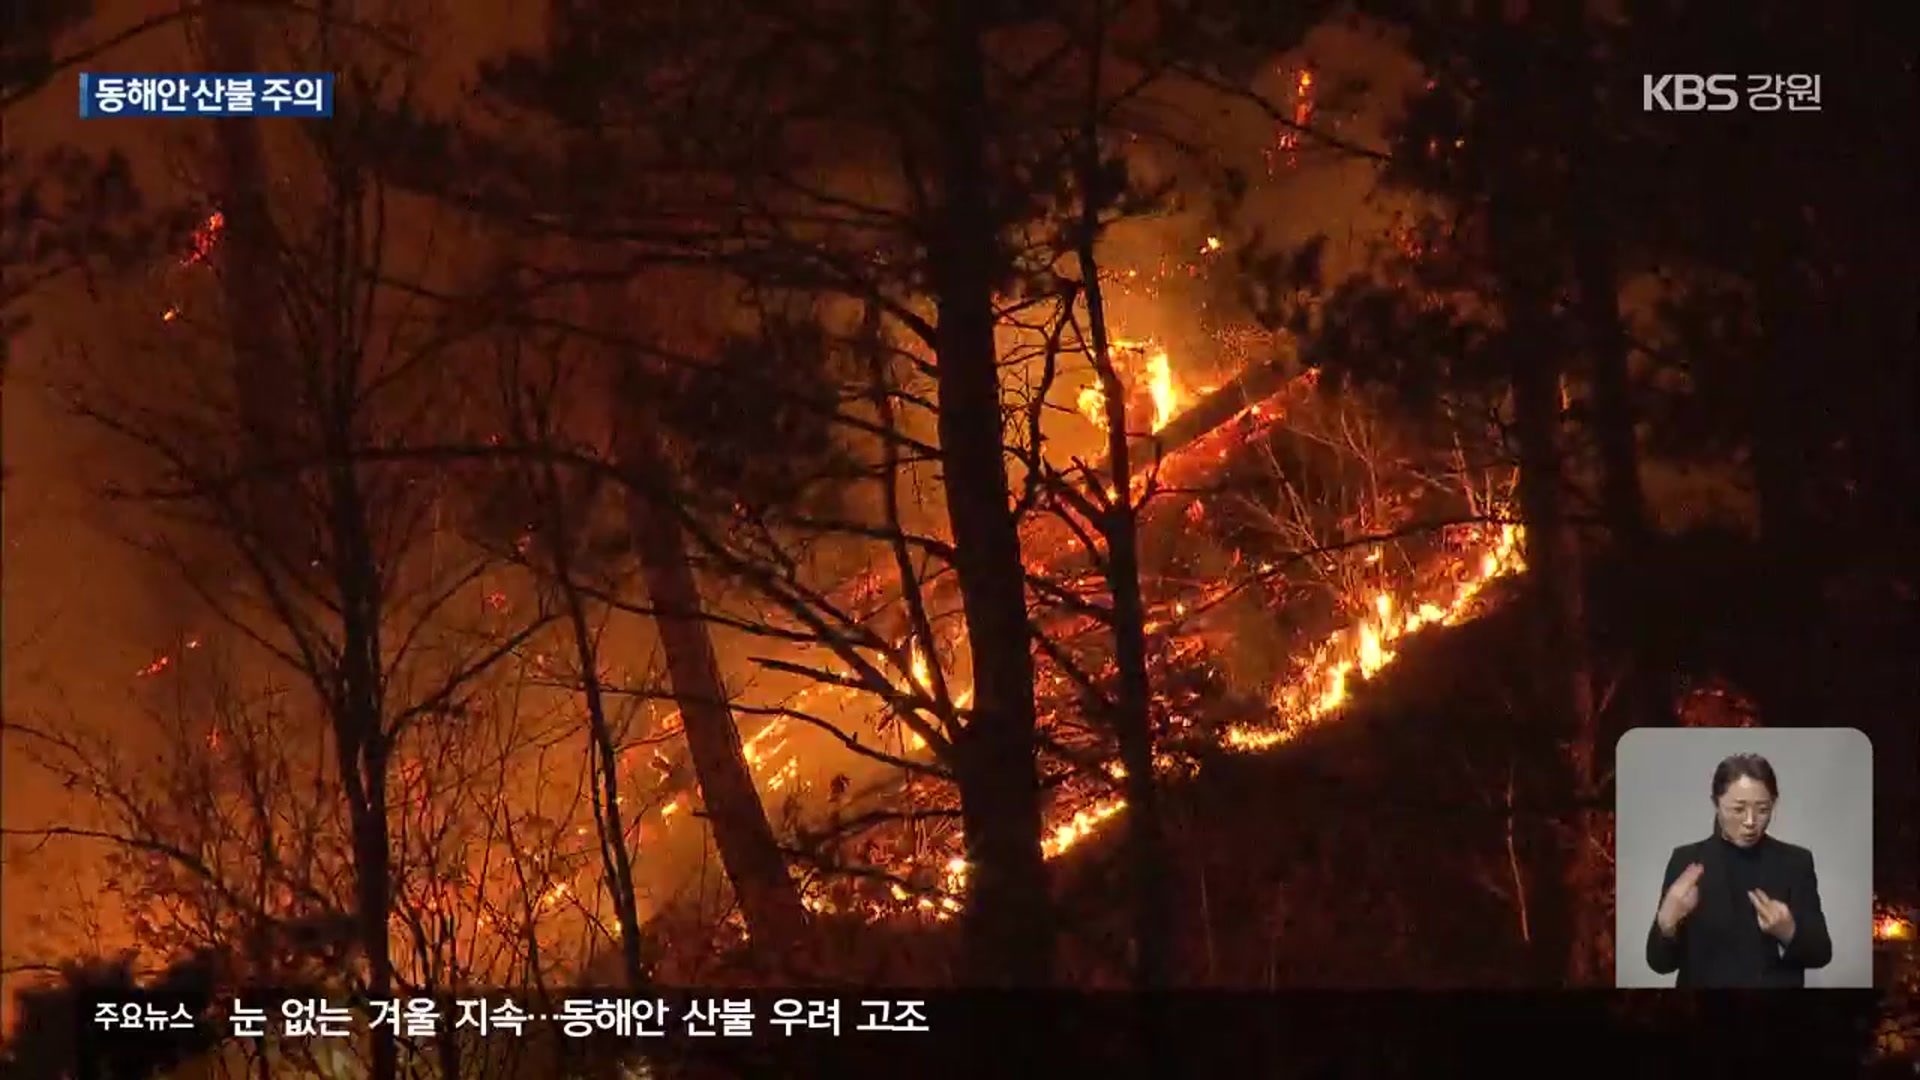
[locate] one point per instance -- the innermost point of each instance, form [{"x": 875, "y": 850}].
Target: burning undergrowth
[{"x": 1218, "y": 585}]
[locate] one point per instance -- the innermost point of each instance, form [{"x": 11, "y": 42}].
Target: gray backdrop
[{"x": 1663, "y": 794}]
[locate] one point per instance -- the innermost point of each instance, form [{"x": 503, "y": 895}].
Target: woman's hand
[
  {"x": 1681, "y": 898},
  {"x": 1775, "y": 919}
]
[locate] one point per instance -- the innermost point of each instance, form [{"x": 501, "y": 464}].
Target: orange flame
[
  {"x": 205, "y": 237},
  {"x": 1157, "y": 367},
  {"x": 922, "y": 678},
  {"x": 1324, "y": 683},
  {"x": 1317, "y": 694},
  {"x": 1289, "y": 140}
]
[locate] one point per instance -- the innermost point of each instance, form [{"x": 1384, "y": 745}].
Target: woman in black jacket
[{"x": 1740, "y": 909}]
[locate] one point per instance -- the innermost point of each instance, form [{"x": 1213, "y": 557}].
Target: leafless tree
[{"x": 270, "y": 500}]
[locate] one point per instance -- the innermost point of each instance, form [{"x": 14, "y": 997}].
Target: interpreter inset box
[{"x": 1743, "y": 858}]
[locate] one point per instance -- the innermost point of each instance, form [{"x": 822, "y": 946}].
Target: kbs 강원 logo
[
  {"x": 1721, "y": 93},
  {"x": 1689, "y": 93}
]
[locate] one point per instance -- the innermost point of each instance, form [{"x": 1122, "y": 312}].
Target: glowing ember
[
  {"x": 199, "y": 249},
  {"x": 1289, "y": 140},
  {"x": 784, "y": 775},
  {"x": 1892, "y": 928},
  {"x": 205, "y": 237}
]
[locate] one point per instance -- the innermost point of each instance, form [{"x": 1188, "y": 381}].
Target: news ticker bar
[
  {"x": 974, "y": 1033},
  {"x": 293, "y": 1016},
  {"x": 215, "y": 94}
]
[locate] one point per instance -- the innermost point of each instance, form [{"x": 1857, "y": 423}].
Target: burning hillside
[
  {"x": 1197, "y": 709},
  {"x": 1188, "y": 440}
]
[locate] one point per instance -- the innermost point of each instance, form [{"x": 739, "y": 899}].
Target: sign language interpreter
[{"x": 1740, "y": 908}]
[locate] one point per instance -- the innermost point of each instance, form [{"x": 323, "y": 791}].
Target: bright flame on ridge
[
  {"x": 1157, "y": 369},
  {"x": 1323, "y": 685}
]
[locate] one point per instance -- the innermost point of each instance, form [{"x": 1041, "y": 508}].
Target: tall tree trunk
[
  {"x": 1008, "y": 923},
  {"x": 373, "y": 888},
  {"x": 1528, "y": 260},
  {"x": 1646, "y": 693},
  {"x": 749, "y": 852},
  {"x": 1554, "y": 562},
  {"x": 1573, "y": 929},
  {"x": 358, "y": 709},
  {"x": 777, "y": 923},
  {"x": 615, "y": 859},
  {"x": 360, "y": 717},
  {"x": 1623, "y": 499},
  {"x": 248, "y": 260},
  {"x": 1132, "y": 720},
  {"x": 248, "y": 254},
  {"x": 1133, "y": 726}
]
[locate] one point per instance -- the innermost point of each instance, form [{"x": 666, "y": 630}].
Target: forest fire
[
  {"x": 766, "y": 433},
  {"x": 1365, "y": 649},
  {"x": 758, "y": 398},
  {"x": 1323, "y": 682},
  {"x": 1321, "y": 686},
  {"x": 1318, "y": 688}
]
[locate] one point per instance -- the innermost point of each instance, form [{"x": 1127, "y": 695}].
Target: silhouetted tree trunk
[
  {"x": 749, "y": 851},
  {"x": 362, "y": 742},
  {"x": 777, "y": 924},
  {"x": 1645, "y": 692},
  {"x": 616, "y": 861},
  {"x": 1553, "y": 559},
  {"x": 1008, "y": 921},
  {"x": 1571, "y": 905},
  {"x": 263, "y": 384},
  {"x": 248, "y": 252},
  {"x": 1132, "y": 713},
  {"x": 1623, "y": 500}
]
